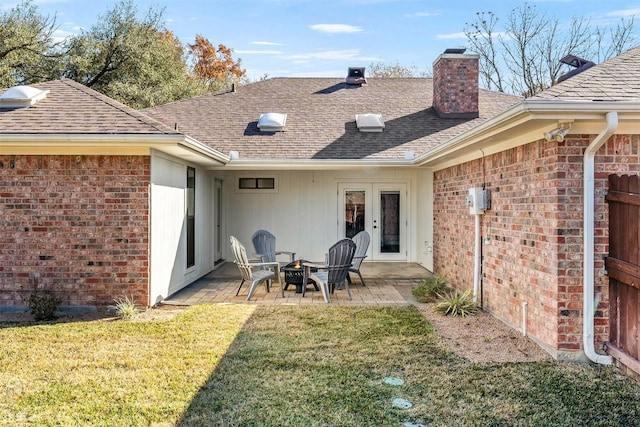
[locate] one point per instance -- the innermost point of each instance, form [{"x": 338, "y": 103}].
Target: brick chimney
[{"x": 455, "y": 85}]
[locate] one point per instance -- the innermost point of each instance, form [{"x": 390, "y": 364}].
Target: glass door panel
[
  {"x": 354, "y": 212},
  {"x": 389, "y": 222},
  {"x": 379, "y": 209},
  {"x": 389, "y": 236}
]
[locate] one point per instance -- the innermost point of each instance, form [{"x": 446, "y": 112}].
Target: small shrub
[
  {"x": 43, "y": 305},
  {"x": 125, "y": 308},
  {"x": 457, "y": 304},
  {"x": 429, "y": 289}
]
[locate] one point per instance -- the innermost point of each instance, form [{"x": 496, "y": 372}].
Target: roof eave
[
  {"x": 313, "y": 164},
  {"x": 543, "y": 110},
  {"x": 178, "y": 145}
]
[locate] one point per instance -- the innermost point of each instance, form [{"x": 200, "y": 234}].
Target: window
[
  {"x": 191, "y": 217},
  {"x": 257, "y": 183}
]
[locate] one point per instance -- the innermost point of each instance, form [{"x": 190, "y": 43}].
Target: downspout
[
  {"x": 589, "y": 249},
  {"x": 477, "y": 262}
]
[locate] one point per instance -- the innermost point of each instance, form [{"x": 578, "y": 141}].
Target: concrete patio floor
[{"x": 386, "y": 284}]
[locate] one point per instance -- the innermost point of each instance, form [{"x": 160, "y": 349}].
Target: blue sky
[{"x": 318, "y": 38}]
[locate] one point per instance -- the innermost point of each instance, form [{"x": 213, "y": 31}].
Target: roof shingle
[
  {"x": 321, "y": 118},
  {"x": 71, "y": 108},
  {"x": 612, "y": 80}
]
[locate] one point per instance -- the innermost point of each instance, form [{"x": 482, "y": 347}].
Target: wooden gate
[{"x": 623, "y": 267}]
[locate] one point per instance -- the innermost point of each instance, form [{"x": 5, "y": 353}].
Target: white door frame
[{"x": 372, "y": 216}]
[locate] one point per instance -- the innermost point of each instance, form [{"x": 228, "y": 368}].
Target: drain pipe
[
  {"x": 588, "y": 285},
  {"x": 477, "y": 265}
]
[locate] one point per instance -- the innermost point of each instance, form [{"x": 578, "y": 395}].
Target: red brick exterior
[
  {"x": 75, "y": 225},
  {"x": 455, "y": 86},
  {"x": 535, "y": 231}
]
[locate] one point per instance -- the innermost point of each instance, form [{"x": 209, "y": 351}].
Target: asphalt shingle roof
[
  {"x": 615, "y": 79},
  {"x": 71, "y": 108},
  {"x": 321, "y": 118}
]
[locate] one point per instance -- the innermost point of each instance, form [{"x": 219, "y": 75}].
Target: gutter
[
  {"x": 311, "y": 164},
  {"x": 588, "y": 286},
  {"x": 527, "y": 110},
  {"x": 161, "y": 142}
]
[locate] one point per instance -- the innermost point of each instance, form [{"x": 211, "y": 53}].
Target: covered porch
[{"x": 386, "y": 284}]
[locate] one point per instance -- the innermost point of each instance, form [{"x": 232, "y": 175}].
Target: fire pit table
[{"x": 293, "y": 275}]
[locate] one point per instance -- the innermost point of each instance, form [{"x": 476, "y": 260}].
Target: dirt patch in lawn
[
  {"x": 153, "y": 314},
  {"x": 478, "y": 338}
]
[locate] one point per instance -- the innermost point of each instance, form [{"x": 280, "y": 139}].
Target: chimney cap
[{"x": 455, "y": 50}]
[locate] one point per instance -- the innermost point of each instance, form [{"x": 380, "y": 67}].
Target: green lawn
[{"x": 238, "y": 365}]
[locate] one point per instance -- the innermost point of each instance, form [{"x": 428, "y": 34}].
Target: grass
[{"x": 237, "y": 365}]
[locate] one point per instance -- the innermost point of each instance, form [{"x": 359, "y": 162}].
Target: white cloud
[
  {"x": 60, "y": 35},
  {"x": 333, "y": 55},
  {"x": 335, "y": 28},
  {"x": 451, "y": 36},
  {"x": 320, "y": 73},
  {"x": 261, "y": 43},
  {"x": 258, "y": 52},
  {"x": 624, "y": 13},
  {"x": 421, "y": 14}
]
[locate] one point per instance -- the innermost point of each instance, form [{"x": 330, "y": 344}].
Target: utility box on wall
[{"x": 478, "y": 200}]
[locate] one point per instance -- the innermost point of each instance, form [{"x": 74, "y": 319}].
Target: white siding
[
  {"x": 168, "y": 227},
  {"x": 302, "y": 213}
]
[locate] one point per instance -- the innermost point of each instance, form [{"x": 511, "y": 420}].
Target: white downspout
[
  {"x": 589, "y": 230},
  {"x": 476, "y": 259}
]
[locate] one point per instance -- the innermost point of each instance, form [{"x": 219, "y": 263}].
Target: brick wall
[
  {"x": 75, "y": 225},
  {"x": 534, "y": 254},
  {"x": 455, "y": 86}
]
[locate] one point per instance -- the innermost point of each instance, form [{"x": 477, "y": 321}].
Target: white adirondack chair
[
  {"x": 254, "y": 272},
  {"x": 361, "y": 240}
]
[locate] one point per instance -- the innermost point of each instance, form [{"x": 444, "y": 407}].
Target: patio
[{"x": 386, "y": 284}]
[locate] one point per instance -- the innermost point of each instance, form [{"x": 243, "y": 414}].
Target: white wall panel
[
  {"x": 302, "y": 213},
  {"x": 168, "y": 269}
]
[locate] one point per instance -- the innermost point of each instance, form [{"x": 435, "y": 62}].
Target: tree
[
  {"x": 215, "y": 68},
  {"x": 384, "y": 70},
  {"x": 28, "y": 53},
  {"x": 129, "y": 59},
  {"x": 524, "y": 57}
]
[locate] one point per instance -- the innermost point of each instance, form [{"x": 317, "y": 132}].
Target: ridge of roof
[
  {"x": 161, "y": 127},
  {"x": 321, "y": 118},
  {"x": 72, "y": 108}
]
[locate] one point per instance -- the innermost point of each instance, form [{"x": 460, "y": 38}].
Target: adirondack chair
[
  {"x": 361, "y": 240},
  {"x": 254, "y": 272},
  {"x": 264, "y": 244},
  {"x": 335, "y": 271}
]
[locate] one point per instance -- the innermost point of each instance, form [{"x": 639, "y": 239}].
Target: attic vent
[
  {"x": 21, "y": 97},
  {"x": 369, "y": 122},
  {"x": 272, "y": 122},
  {"x": 578, "y": 63},
  {"x": 355, "y": 76}
]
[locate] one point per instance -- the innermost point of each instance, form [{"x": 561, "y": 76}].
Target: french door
[{"x": 380, "y": 209}]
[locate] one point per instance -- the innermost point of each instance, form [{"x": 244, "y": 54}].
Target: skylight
[
  {"x": 21, "y": 96},
  {"x": 272, "y": 122},
  {"x": 370, "y": 122}
]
